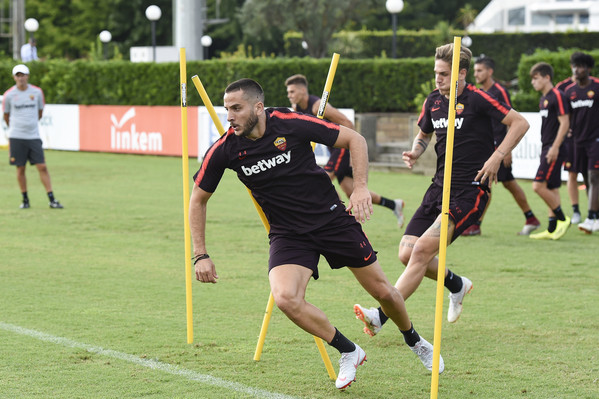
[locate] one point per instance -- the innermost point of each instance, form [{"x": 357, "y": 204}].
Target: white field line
[{"x": 152, "y": 364}]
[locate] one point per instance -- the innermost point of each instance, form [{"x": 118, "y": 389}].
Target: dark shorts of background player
[
  {"x": 342, "y": 244},
  {"x": 339, "y": 164},
  {"x": 466, "y": 205},
  {"x": 504, "y": 173},
  {"x": 22, "y": 151},
  {"x": 587, "y": 156},
  {"x": 568, "y": 153},
  {"x": 550, "y": 172}
]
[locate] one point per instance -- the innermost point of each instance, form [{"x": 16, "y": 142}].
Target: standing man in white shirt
[
  {"x": 29, "y": 51},
  {"x": 23, "y": 106}
]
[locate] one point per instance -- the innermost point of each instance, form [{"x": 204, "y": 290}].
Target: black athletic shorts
[
  {"x": 339, "y": 163},
  {"x": 569, "y": 146},
  {"x": 466, "y": 205},
  {"x": 342, "y": 243},
  {"x": 22, "y": 151},
  {"x": 504, "y": 173},
  {"x": 550, "y": 172},
  {"x": 587, "y": 156}
]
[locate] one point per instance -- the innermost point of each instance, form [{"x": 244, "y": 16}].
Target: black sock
[
  {"x": 25, "y": 197},
  {"x": 593, "y": 215},
  {"x": 388, "y": 203},
  {"x": 51, "y": 196},
  {"x": 559, "y": 214},
  {"x": 552, "y": 224},
  {"x": 382, "y": 316},
  {"x": 575, "y": 208},
  {"x": 529, "y": 215},
  {"x": 411, "y": 336},
  {"x": 341, "y": 343},
  {"x": 478, "y": 222},
  {"x": 453, "y": 282}
]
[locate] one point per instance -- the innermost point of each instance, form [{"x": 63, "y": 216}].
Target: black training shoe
[
  {"x": 55, "y": 204},
  {"x": 24, "y": 205}
]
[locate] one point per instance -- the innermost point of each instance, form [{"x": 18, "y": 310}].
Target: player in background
[
  {"x": 339, "y": 163},
  {"x": 585, "y": 130},
  {"x": 554, "y": 109},
  {"x": 483, "y": 73},
  {"x": 271, "y": 151},
  {"x": 476, "y": 161}
]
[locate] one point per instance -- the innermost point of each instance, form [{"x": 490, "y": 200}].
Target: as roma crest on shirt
[
  {"x": 31, "y": 97},
  {"x": 459, "y": 108},
  {"x": 590, "y": 94},
  {"x": 281, "y": 143},
  {"x": 545, "y": 103}
]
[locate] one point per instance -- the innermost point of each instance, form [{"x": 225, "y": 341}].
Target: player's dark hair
[
  {"x": 486, "y": 61},
  {"x": 251, "y": 89},
  {"x": 543, "y": 69},
  {"x": 297, "y": 79},
  {"x": 445, "y": 53},
  {"x": 582, "y": 59}
]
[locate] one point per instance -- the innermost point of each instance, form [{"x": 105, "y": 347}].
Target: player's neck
[
  {"x": 547, "y": 89},
  {"x": 23, "y": 87},
  {"x": 258, "y": 131},
  {"x": 487, "y": 84},
  {"x": 583, "y": 82}
]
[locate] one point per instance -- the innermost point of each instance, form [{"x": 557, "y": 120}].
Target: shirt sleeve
[
  {"x": 424, "y": 120},
  {"x": 213, "y": 167}
]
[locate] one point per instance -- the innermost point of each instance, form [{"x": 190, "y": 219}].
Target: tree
[
  {"x": 317, "y": 20},
  {"x": 466, "y": 15}
]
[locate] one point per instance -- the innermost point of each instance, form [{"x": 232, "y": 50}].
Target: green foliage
[
  {"x": 425, "y": 89},
  {"x": 527, "y": 99}
]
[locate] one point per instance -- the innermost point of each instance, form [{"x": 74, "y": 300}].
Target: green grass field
[{"x": 92, "y": 297}]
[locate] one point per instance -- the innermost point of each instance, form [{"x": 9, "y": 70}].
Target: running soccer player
[
  {"x": 585, "y": 130},
  {"x": 483, "y": 73},
  {"x": 554, "y": 110},
  {"x": 475, "y": 165},
  {"x": 339, "y": 163},
  {"x": 271, "y": 152}
]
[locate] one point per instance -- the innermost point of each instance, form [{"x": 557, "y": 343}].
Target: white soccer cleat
[
  {"x": 424, "y": 350},
  {"x": 370, "y": 318},
  {"x": 455, "y": 301},
  {"x": 348, "y": 364},
  {"x": 589, "y": 226},
  {"x": 398, "y": 211},
  {"x": 576, "y": 218}
]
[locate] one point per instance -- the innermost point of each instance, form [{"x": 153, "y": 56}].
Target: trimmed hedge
[{"x": 381, "y": 85}]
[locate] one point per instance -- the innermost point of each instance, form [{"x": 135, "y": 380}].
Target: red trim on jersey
[
  {"x": 293, "y": 115},
  {"x": 209, "y": 155},
  {"x": 490, "y": 99},
  {"x": 339, "y": 158},
  {"x": 501, "y": 89},
  {"x": 474, "y": 209},
  {"x": 560, "y": 103},
  {"x": 594, "y": 79},
  {"x": 422, "y": 110}
]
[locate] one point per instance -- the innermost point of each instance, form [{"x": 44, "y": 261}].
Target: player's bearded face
[
  {"x": 250, "y": 124},
  {"x": 443, "y": 76}
]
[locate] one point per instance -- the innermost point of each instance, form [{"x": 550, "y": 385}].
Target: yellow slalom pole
[
  {"x": 219, "y": 126},
  {"x": 264, "y": 328},
  {"x": 185, "y": 168},
  {"x": 324, "y": 99},
  {"x": 455, "y": 68}
]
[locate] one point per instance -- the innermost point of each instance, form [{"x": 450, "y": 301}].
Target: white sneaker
[
  {"x": 370, "y": 318},
  {"x": 424, "y": 350},
  {"x": 596, "y": 226},
  {"x": 588, "y": 226},
  {"x": 398, "y": 211},
  {"x": 455, "y": 301},
  {"x": 576, "y": 218},
  {"x": 348, "y": 364}
]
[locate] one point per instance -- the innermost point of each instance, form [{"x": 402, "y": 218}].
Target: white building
[{"x": 537, "y": 16}]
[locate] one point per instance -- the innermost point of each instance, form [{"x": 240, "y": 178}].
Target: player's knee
[
  {"x": 386, "y": 293},
  {"x": 537, "y": 187},
  {"x": 287, "y": 302}
]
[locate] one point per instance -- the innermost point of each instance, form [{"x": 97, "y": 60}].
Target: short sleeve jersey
[
  {"x": 499, "y": 129},
  {"x": 584, "y": 111},
  {"x": 551, "y": 106},
  {"x": 296, "y": 194},
  {"x": 473, "y": 137},
  {"x": 563, "y": 85},
  {"x": 23, "y": 107},
  {"x": 308, "y": 110}
]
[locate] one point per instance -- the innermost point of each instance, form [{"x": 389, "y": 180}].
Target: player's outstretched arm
[
  {"x": 360, "y": 200},
  {"x": 420, "y": 144},
  {"x": 333, "y": 114},
  {"x": 204, "y": 267}
]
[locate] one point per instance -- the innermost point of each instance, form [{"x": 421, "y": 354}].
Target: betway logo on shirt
[
  {"x": 443, "y": 122},
  {"x": 266, "y": 164},
  {"x": 582, "y": 103}
]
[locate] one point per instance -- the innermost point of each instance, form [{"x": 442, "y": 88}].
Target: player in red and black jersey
[
  {"x": 475, "y": 165},
  {"x": 270, "y": 149},
  {"x": 483, "y": 73},
  {"x": 585, "y": 130},
  {"x": 339, "y": 163},
  {"x": 554, "y": 109}
]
